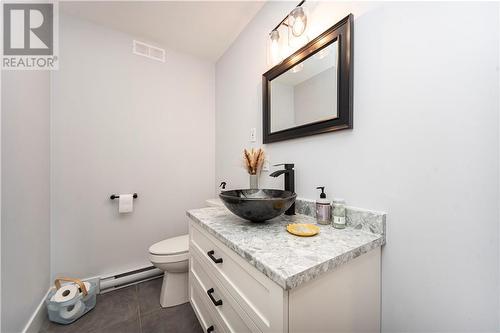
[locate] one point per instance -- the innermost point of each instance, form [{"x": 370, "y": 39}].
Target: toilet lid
[{"x": 174, "y": 245}]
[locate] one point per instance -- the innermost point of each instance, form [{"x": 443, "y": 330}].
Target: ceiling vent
[{"x": 148, "y": 51}]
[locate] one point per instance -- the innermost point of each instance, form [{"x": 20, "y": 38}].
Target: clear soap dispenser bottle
[{"x": 323, "y": 208}]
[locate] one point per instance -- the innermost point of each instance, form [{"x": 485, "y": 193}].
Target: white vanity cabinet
[{"x": 229, "y": 294}]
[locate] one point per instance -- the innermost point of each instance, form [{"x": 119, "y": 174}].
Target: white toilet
[{"x": 171, "y": 256}]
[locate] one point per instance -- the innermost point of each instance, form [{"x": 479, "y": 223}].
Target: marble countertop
[{"x": 286, "y": 259}]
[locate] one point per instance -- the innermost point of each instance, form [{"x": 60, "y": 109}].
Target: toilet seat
[
  {"x": 169, "y": 246},
  {"x": 168, "y": 258}
]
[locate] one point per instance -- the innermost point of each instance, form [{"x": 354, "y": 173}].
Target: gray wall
[
  {"x": 424, "y": 148},
  {"x": 25, "y": 195},
  {"x": 122, "y": 123}
]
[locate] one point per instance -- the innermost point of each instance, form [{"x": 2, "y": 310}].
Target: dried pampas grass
[{"x": 253, "y": 160}]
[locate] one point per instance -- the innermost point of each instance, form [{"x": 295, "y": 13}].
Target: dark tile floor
[{"x": 135, "y": 309}]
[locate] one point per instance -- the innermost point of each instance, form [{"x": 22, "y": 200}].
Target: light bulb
[
  {"x": 298, "y": 28},
  {"x": 297, "y": 21}
]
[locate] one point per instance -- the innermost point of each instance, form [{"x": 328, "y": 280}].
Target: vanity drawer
[
  {"x": 206, "y": 317},
  {"x": 223, "y": 305},
  {"x": 262, "y": 299}
]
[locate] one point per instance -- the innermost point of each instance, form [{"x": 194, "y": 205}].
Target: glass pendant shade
[
  {"x": 297, "y": 21},
  {"x": 274, "y": 47}
]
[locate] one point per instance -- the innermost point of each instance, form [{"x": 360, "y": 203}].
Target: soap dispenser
[{"x": 323, "y": 208}]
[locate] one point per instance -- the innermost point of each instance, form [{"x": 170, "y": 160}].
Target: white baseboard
[{"x": 37, "y": 318}]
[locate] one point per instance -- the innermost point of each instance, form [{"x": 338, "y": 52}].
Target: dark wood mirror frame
[{"x": 341, "y": 31}]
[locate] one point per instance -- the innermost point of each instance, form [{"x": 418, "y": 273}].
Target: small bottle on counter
[
  {"x": 323, "y": 208},
  {"x": 338, "y": 213}
]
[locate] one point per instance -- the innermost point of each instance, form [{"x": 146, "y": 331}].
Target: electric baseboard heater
[{"x": 121, "y": 280}]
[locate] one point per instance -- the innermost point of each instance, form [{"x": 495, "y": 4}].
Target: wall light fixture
[{"x": 296, "y": 22}]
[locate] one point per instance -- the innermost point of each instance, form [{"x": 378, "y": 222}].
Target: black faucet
[{"x": 289, "y": 182}]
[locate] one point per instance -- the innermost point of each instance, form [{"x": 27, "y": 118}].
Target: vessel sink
[{"x": 257, "y": 205}]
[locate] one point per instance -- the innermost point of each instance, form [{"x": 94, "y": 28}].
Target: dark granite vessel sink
[{"x": 257, "y": 205}]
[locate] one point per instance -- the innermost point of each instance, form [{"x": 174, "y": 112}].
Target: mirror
[
  {"x": 307, "y": 92},
  {"x": 310, "y": 92}
]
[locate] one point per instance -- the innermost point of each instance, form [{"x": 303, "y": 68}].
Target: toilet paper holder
[{"x": 116, "y": 196}]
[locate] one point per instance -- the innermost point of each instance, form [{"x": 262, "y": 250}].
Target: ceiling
[{"x": 201, "y": 28}]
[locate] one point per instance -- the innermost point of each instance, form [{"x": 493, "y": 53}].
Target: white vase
[{"x": 254, "y": 182}]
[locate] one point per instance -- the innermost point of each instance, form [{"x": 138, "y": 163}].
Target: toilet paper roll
[
  {"x": 65, "y": 293},
  {"x": 126, "y": 203},
  {"x": 72, "y": 311}
]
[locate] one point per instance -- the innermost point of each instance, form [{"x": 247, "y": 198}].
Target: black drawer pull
[
  {"x": 210, "y": 329},
  {"x": 210, "y": 292},
  {"x": 211, "y": 255}
]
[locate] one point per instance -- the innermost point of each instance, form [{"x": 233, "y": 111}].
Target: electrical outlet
[
  {"x": 253, "y": 134},
  {"x": 266, "y": 165}
]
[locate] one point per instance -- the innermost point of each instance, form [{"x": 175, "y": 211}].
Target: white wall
[
  {"x": 120, "y": 124},
  {"x": 282, "y": 98},
  {"x": 316, "y": 98},
  {"x": 424, "y": 148},
  {"x": 25, "y": 195}
]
